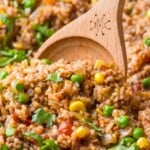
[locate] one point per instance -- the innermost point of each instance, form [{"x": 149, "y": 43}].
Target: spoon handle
[{"x": 103, "y": 25}]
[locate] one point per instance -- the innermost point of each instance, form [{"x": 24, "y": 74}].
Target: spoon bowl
[{"x": 98, "y": 34}]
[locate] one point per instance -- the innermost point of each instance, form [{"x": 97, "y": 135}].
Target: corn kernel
[
  {"x": 77, "y": 106},
  {"x": 38, "y": 90},
  {"x": 111, "y": 65},
  {"x": 2, "y": 10},
  {"x": 93, "y": 1},
  {"x": 99, "y": 78},
  {"x": 143, "y": 143},
  {"x": 99, "y": 64},
  {"x": 82, "y": 132},
  {"x": 99, "y": 111},
  {"x": 18, "y": 45},
  {"x": 1, "y": 23}
]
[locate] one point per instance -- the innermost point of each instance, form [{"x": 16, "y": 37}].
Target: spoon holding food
[{"x": 98, "y": 34}]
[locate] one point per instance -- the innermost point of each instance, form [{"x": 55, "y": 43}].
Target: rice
[{"x": 48, "y": 89}]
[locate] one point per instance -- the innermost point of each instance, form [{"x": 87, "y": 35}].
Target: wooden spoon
[{"x": 98, "y": 34}]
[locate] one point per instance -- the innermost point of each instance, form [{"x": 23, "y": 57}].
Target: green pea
[
  {"x": 46, "y": 61},
  {"x": 23, "y": 98},
  {"x": 3, "y": 75},
  {"x": 127, "y": 141},
  {"x": 107, "y": 110},
  {"x": 29, "y": 3},
  {"x": 39, "y": 38},
  {"x": 146, "y": 82},
  {"x": 9, "y": 131},
  {"x": 20, "y": 87},
  {"x": 147, "y": 41},
  {"x": 137, "y": 133},
  {"x": 77, "y": 78},
  {"x": 123, "y": 121}
]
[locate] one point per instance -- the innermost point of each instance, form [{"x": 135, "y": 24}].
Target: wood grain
[{"x": 98, "y": 34}]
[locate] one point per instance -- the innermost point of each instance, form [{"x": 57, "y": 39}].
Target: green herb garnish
[
  {"x": 44, "y": 30},
  {"x": 10, "y": 131},
  {"x": 49, "y": 145},
  {"x": 35, "y": 137},
  {"x": 44, "y": 144},
  {"x": 55, "y": 77},
  {"x": 122, "y": 147},
  {"x": 90, "y": 123},
  {"x": 43, "y": 117},
  {"x": 10, "y": 23},
  {"x": 4, "y": 147},
  {"x": 10, "y": 55}
]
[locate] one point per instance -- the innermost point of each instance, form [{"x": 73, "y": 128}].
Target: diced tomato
[
  {"x": 65, "y": 127},
  {"x": 136, "y": 87},
  {"x": 15, "y": 117},
  {"x": 48, "y": 2}
]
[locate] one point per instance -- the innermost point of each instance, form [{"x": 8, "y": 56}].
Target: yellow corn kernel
[
  {"x": 1, "y": 23},
  {"x": 111, "y": 65},
  {"x": 99, "y": 64},
  {"x": 143, "y": 143},
  {"x": 148, "y": 14},
  {"x": 99, "y": 78},
  {"x": 2, "y": 10},
  {"x": 99, "y": 111},
  {"x": 93, "y": 1},
  {"x": 77, "y": 106},
  {"x": 82, "y": 132},
  {"x": 18, "y": 45}
]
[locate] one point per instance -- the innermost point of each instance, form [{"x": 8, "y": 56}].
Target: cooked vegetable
[
  {"x": 11, "y": 55},
  {"x": 19, "y": 87},
  {"x": 82, "y": 132},
  {"x": 147, "y": 41},
  {"x": 4, "y": 147},
  {"x": 99, "y": 78},
  {"x": 1, "y": 87},
  {"x": 46, "y": 61},
  {"x": 77, "y": 78},
  {"x": 137, "y": 133},
  {"x": 65, "y": 127},
  {"x": 47, "y": 2},
  {"x": 3, "y": 75},
  {"x": 44, "y": 30},
  {"x": 23, "y": 98},
  {"x": 44, "y": 144},
  {"x": 127, "y": 141},
  {"x": 107, "y": 110},
  {"x": 123, "y": 121},
  {"x": 77, "y": 106},
  {"x": 29, "y": 3},
  {"x": 55, "y": 77},
  {"x": 9, "y": 131},
  {"x": 9, "y": 22},
  {"x": 122, "y": 147},
  {"x": 99, "y": 64},
  {"x": 49, "y": 145},
  {"x": 43, "y": 117},
  {"x": 143, "y": 143},
  {"x": 35, "y": 137},
  {"x": 39, "y": 38},
  {"x": 90, "y": 124},
  {"x": 146, "y": 82}
]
